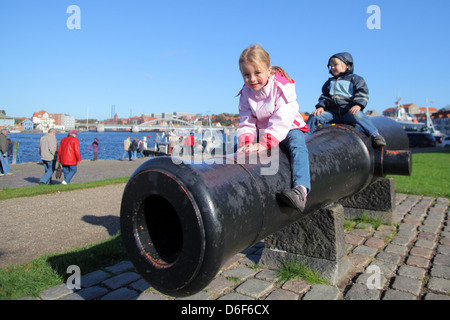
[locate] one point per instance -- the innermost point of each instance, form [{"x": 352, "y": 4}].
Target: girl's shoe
[{"x": 294, "y": 198}]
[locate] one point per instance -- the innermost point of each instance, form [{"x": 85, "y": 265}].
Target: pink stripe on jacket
[{"x": 270, "y": 112}]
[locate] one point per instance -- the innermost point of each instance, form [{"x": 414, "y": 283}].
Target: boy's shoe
[
  {"x": 294, "y": 198},
  {"x": 64, "y": 182},
  {"x": 378, "y": 141}
]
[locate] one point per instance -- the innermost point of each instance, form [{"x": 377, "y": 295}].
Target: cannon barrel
[{"x": 181, "y": 221}]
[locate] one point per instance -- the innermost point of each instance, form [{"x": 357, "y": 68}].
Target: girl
[{"x": 268, "y": 105}]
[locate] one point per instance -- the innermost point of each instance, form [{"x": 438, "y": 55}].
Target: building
[
  {"x": 43, "y": 119},
  {"x": 6, "y": 122},
  {"x": 23, "y": 124}
]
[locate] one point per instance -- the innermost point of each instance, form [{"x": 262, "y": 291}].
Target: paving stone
[
  {"x": 140, "y": 285},
  {"x": 389, "y": 257},
  {"x": 150, "y": 296},
  {"x": 56, "y": 292},
  {"x": 375, "y": 243},
  {"x": 425, "y": 244},
  {"x": 219, "y": 285},
  {"x": 365, "y": 250},
  {"x": 255, "y": 288},
  {"x": 440, "y": 272},
  {"x": 354, "y": 239},
  {"x": 386, "y": 268},
  {"x": 398, "y": 295},
  {"x": 445, "y": 241},
  {"x": 434, "y": 296},
  {"x": 322, "y": 292},
  {"x": 421, "y": 252},
  {"x": 121, "y": 280},
  {"x": 121, "y": 294},
  {"x": 235, "y": 296},
  {"x": 410, "y": 285},
  {"x": 280, "y": 294},
  {"x": 366, "y": 278},
  {"x": 429, "y": 228},
  {"x": 412, "y": 272},
  {"x": 445, "y": 250},
  {"x": 442, "y": 260},
  {"x": 401, "y": 241},
  {"x": 242, "y": 273},
  {"x": 120, "y": 267},
  {"x": 296, "y": 285},
  {"x": 418, "y": 262},
  {"x": 90, "y": 293},
  {"x": 362, "y": 292},
  {"x": 93, "y": 278},
  {"x": 439, "y": 284},
  {"x": 394, "y": 248},
  {"x": 202, "y": 295},
  {"x": 267, "y": 275},
  {"x": 427, "y": 236},
  {"x": 358, "y": 260}
]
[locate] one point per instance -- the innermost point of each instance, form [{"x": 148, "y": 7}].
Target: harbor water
[{"x": 110, "y": 144}]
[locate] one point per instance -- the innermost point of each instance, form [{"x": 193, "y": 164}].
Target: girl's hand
[
  {"x": 252, "y": 148},
  {"x": 256, "y": 147}
]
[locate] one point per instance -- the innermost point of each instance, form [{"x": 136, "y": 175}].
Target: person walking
[
  {"x": 4, "y": 153},
  {"x": 48, "y": 147},
  {"x": 69, "y": 155},
  {"x": 126, "y": 148}
]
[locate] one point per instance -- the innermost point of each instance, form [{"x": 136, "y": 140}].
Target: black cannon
[{"x": 181, "y": 221}]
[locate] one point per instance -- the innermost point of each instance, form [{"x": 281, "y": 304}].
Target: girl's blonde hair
[{"x": 256, "y": 54}]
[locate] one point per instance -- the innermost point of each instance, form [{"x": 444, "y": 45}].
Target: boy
[{"x": 343, "y": 98}]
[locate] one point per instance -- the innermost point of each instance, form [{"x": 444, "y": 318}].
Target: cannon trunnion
[{"x": 182, "y": 221}]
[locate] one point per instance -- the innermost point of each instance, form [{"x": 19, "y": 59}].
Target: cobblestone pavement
[{"x": 408, "y": 261}]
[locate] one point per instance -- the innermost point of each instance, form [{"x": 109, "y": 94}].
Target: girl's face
[
  {"x": 255, "y": 76},
  {"x": 337, "y": 66}
]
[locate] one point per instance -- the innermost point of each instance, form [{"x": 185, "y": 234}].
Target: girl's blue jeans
[{"x": 298, "y": 152}]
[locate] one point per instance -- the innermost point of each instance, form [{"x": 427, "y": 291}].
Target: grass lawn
[{"x": 430, "y": 175}]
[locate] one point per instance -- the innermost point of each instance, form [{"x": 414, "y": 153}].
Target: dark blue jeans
[
  {"x": 69, "y": 172},
  {"x": 359, "y": 118},
  {"x": 49, "y": 167}
]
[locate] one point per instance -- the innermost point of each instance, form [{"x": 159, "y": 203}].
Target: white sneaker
[{"x": 64, "y": 182}]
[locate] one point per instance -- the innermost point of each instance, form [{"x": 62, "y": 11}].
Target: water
[{"x": 110, "y": 144}]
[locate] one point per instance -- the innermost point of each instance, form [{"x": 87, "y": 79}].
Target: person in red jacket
[
  {"x": 69, "y": 155},
  {"x": 189, "y": 142}
]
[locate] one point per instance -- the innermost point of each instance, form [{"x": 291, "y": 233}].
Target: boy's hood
[{"x": 346, "y": 58}]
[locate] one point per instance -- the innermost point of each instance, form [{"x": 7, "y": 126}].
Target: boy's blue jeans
[
  {"x": 69, "y": 172},
  {"x": 298, "y": 152},
  {"x": 359, "y": 118}
]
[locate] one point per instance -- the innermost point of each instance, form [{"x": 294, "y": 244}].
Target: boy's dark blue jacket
[{"x": 345, "y": 90}]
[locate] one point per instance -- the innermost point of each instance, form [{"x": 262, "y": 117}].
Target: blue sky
[{"x": 162, "y": 56}]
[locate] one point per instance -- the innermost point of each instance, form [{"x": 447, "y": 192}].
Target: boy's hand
[
  {"x": 318, "y": 111},
  {"x": 354, "y": 109}
]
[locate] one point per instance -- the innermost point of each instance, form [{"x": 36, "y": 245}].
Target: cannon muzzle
[{"x": 181, "y": 221}]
